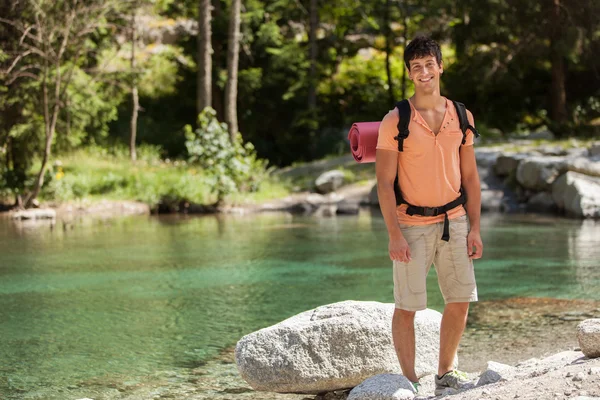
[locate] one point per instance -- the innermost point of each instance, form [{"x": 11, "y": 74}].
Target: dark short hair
[{"x": 422, "y": 46}]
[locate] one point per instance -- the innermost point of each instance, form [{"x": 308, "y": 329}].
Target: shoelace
[
  {"x": 417, "y": 386},
  {"x": 458, "y": 374}
]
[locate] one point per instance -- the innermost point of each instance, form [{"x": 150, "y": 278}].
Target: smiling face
[{"x": 425, "y": 73}]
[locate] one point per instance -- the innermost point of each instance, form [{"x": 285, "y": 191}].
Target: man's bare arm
[
  {"x": 470, "y": 183},
  {"x": 386, "y": 167}
]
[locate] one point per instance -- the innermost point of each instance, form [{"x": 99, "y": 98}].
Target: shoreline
[
  {"x": 519, "y": 322},
  {"x": 508, "y": 331}
]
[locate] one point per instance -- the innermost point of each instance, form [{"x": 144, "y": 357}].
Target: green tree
[{"x": 55, "y": 38}]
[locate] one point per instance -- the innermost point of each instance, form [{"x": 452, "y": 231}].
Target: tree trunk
[
  {"x": 204, "y": 88},
  {"x": 312, "y": 78},
  {"x": 405, "y": 42},
  {"x": 558, "y": 111},
  {"x": 233, "y": 51},
  {"x": 387, "y": 31},
  {"x": 49, "y": 128},
  {"x": 134, "y": 92}
]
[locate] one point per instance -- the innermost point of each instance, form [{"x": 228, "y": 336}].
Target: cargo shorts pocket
[
  {"x": 415, "y": 270},
  {"x": 463, "y": 265}
]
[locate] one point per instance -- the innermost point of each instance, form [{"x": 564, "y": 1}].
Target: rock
[
  {"x": 580, "y": 376},
  {"x": 332, "y": 347},
  {"x": 584, "y": 166},
  {"x": 326, "y": 210},
  {"x": 506, "y": 164},
  {"x": 383, "y": 386},
  {"x": 302, "y": 208},
  {"x": 348, "y": 207},
  {"x": 538, "y": 173},
  {"x": 315, "y": 199},
  {"x": 373, "y": 196},
  {"x": 492, "y": 200},
  {"x": 335, "y": 395},
  {"x": 329, "y": 181},
  {"x": 495, "y": 372},
  {"x": 36, "y": 213},
  {"x": 549, "y": 150},
  {"x": 577, "y": 194},
  {"x": 594, "y": 371},
  {"x": 594, "y": 149},
  {"x": 486, "y": 157},
  {"x": 547, "y": 135},
  {"x": 541, "y": 202},
  {"x": 588, "y": 335}
]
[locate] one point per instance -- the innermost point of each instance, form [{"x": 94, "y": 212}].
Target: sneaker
[
  {"x": 452, "y": 382},
  {"x": 416, "y": 386}
]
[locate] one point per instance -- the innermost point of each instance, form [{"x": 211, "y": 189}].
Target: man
[{"x": 431, "y": 169}]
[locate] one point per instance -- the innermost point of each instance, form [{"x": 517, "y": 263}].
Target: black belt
[{"x": 435, "y": 211}]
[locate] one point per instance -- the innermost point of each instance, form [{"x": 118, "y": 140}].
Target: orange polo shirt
[{"x": 429, "y": 166}]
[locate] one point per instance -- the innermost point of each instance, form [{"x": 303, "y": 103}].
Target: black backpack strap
[
  {"x": 461, "y": 110},
  {"x": 404, "y": 119}
]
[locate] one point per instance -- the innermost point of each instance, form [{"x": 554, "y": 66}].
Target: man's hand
[
  {"x": 474, "y": 245},
  {"x": 399, "y": 250}
]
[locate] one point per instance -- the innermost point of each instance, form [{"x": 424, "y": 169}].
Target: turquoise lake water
[{"x": 126, "y": 297}]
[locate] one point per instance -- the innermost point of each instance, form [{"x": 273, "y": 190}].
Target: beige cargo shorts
[{"x": 456, "y": 276}]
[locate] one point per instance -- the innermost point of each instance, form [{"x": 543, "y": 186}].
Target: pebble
[
  {"x": 594, "y": 371},
  {"x": 579, "y": 377},
  {"x": 568, "y": 375}
]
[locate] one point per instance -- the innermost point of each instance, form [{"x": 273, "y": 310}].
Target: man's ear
[{"x": 441, "y": 67}]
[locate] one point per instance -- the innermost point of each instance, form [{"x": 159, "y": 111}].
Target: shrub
[{"x": 231, "y": 167}]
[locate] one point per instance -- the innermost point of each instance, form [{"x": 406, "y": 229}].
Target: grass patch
[{"x": 95, "y": 174}]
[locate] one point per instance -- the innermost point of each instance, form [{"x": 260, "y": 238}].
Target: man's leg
[
  {"x": 456, "y": 278},
  {"x": 451, "y": 330},
  {"x": 403, "y": 333}
]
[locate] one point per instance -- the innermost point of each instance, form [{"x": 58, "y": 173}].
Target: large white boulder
[
  {"x": 506, "y": 164},
  {"x": 384, "y": 386},
  {"x": 538, "y": 173},
  {"x": 332, "y": 347},
  {"x": 588, "y": 335},
  {"x": 584, "y": 165},
  {"x": 578, "y": 194}
]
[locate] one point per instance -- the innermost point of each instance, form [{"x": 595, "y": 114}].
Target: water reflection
[{"x": 584, "y": 254}]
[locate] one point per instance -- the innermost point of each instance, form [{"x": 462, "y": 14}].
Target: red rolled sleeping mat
[{"x": 363, "y": 140}]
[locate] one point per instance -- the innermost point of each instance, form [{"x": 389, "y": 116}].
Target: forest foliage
[{"x": 66, "y": 76}]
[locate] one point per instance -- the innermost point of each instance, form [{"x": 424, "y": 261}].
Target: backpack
[{"x": 404, "y": 112}]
